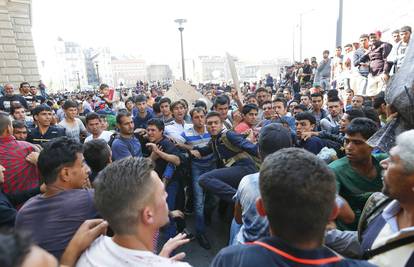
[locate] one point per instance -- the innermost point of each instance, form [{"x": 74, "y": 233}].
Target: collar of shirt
[{"x": 390, "y": 216}]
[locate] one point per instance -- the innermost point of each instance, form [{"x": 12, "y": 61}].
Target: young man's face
[
  {"x": 154, "y": 134},
  {"x": 297, "y": 110},
  {"x": 165, "y": 109},
  {"x": 44, "y": 118},
  {"x": 405, "y": 36},
  {"x": 303, "y": 126},
  {"x": 126, "y": 125},
  {"x": 372, "y": 39},
  {"x": 267, "y": 111},
  {"x": 20, "y": 133},
  {"x": 33, "y": 90},
  {"x": 334, "y": 108},
  {"x": 279, "y": 108},
  {"x": 304, "y": 100},
  {"x": 214, "y": 125},
  {"x": 338, "y": 52},
  {"x": 317, "y": 102},
  {"x": 251, "y": 117},
  {"x": 198, "y": 119},
  {"x": 344, "y": 122},
  {"x": 141, "y": 106},
  {"x": 105, "y": 91},
  {"x": 71, "y": 113},
  {"x": 223, "y": 110},
  {"x": 396, "y": 37},
  {"x": 252, "y": 100},
  {"x": 261, "y": 97},
  {"x": 129, "y": 105},
  {"x": 357, "y": 101},
  {"x": 19, "y": 114},
  {"x": 325, "y": 55},
  {"x": 287, "y": 94},
  {"x": 356, "y": 148},
  {"x": 364, "y": 42},
  {"x": 179, "y": 112},
  {"x": 78, "y": 173},
  {"x": 94, "y": 126}
]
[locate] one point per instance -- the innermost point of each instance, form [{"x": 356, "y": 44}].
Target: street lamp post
[
  {"x": 77, "y": 74},
  {"x": 339, "y": 24},
  {"x": 97, "y": 73},
  {"x": 181, "y": 29}
]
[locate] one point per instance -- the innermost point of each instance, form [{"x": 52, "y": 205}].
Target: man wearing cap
[{"x": 253, "y": 227}]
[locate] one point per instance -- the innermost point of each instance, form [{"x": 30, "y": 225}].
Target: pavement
[{"x": 217, "y": 234}]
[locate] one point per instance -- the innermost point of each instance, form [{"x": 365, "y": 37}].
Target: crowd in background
[{"x": 284, "y": 161}]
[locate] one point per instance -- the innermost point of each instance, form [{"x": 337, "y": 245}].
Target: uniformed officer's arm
[{"x": 239, "y": 141}]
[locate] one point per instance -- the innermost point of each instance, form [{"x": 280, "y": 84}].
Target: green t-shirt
[{"x": 354, "y": 188}]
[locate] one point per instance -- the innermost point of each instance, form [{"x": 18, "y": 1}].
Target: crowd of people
[{"x": 108, "y": 178}]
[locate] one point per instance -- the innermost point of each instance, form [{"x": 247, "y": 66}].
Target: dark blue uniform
[
  {"x": 224, "y": 181},
  {"x": 272, "y": 251},
  {"x": 36, "y": 137}
]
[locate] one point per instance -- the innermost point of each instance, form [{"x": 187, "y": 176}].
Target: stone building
[{"x": 17, "y": 54}]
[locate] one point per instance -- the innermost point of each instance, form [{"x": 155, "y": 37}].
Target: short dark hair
[
  {"x": 397, "y": 31},
  {"x": 405, "y": 29},
  {"x": 41, "y": 108},
  {"x": 19, "y": 124},
  {"x": 92, "y": 116},
  {"x": 298, "y": 192},
  {"x": 306, "y": 116},
  {"x": 70, "y": 104},
  {"x": 176, "y": 103},
  {"x": 140, "y": 98},
  {"x": 121, "y": 190},
  {"x": 56, "y": 154},
  {"x": 379, "y": 100},
  {"x": 363, "y": 36},
  {"x": 4, "y": 121},
  {"x": 97, "y": 154},
  {"x": 221, "y": 100},
  {"x": 157, "y": 123},
  {"x": 249, "y": 107},
  {"x": 325, "y": 52},
  {"x": 14, "y": 107},
  {"x": 364, "y": 126},
  {"x": 273, "y": 137},
  {"x": 212, "y": 114},
  {"x": 200, "y": 103},
  {"x": 103, "y": 86},
  {"x": 122, "y": 114},
  {"x": 261, "y": 89},
  {"x": 14, "y": 248},
  {"x": 197, "y": 109},
  {"x": 24, "y": 83},
  {"x": 334, "y": 99},
  {"x": 282, "y": 100},
  {"x": 317, "y": 95},
  {"x": 372, "y": 114},
  {"x": 355, "y": 113},
  {"x": 165, "y": 100},
  {"x": 301, "y": 107},
  {"x": 266, "y": 102},
  {"x": 156, "y": 107},
  {"x": 250, "y": 96}
]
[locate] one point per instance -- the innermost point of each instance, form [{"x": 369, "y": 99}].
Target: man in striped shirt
[{"x": 197, "y": 136}]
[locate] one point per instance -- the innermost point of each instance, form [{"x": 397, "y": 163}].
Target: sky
[{"x": 249, "y": 30}]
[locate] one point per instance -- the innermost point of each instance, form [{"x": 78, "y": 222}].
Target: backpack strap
[
  {"x": 290, "y": 257},
  {"x": 370, "y": 253}
]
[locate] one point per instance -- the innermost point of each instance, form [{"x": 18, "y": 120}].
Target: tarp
[{"x": 400, "y": 95}]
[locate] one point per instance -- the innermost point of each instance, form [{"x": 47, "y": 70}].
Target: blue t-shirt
[
  {"x": 143, "y": 122},
  {"x": 313, "y": 144},
  {"x": 123, "y": 147},
  {"x": 252, "y": 255},
  {"x": 254, "y": 226}
]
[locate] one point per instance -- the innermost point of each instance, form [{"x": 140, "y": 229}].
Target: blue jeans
[
  {"x": 197, "y": 169},
  {"x": 172, "y": 190}
]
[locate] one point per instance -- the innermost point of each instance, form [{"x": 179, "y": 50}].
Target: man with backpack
[{"x": 233, "y": 151}]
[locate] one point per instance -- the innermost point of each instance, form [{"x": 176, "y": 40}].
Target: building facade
[
  {"x": 128, "y": 71},
  {"x": 17, "y": 54}
]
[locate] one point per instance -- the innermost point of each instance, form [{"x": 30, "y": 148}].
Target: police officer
[{"x": 236, "y": 158}]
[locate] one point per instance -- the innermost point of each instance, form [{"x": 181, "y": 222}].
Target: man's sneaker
[{"x": 203, "y": 241}]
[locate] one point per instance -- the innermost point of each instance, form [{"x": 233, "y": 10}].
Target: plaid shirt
[{"x": 20, "y": 174}]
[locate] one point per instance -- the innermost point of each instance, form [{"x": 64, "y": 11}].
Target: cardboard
[{"x": 182, "y": 90}]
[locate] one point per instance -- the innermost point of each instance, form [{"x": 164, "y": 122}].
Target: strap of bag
[
  {"x": 296, "y": 259},
  {"x": 368, "y": 254}
]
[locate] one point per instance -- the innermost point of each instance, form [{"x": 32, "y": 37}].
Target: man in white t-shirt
[
  {"x": 131, "y": 197},
  {"x": 94, "y": 126},
  {"x": 74, "y": 126}
]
